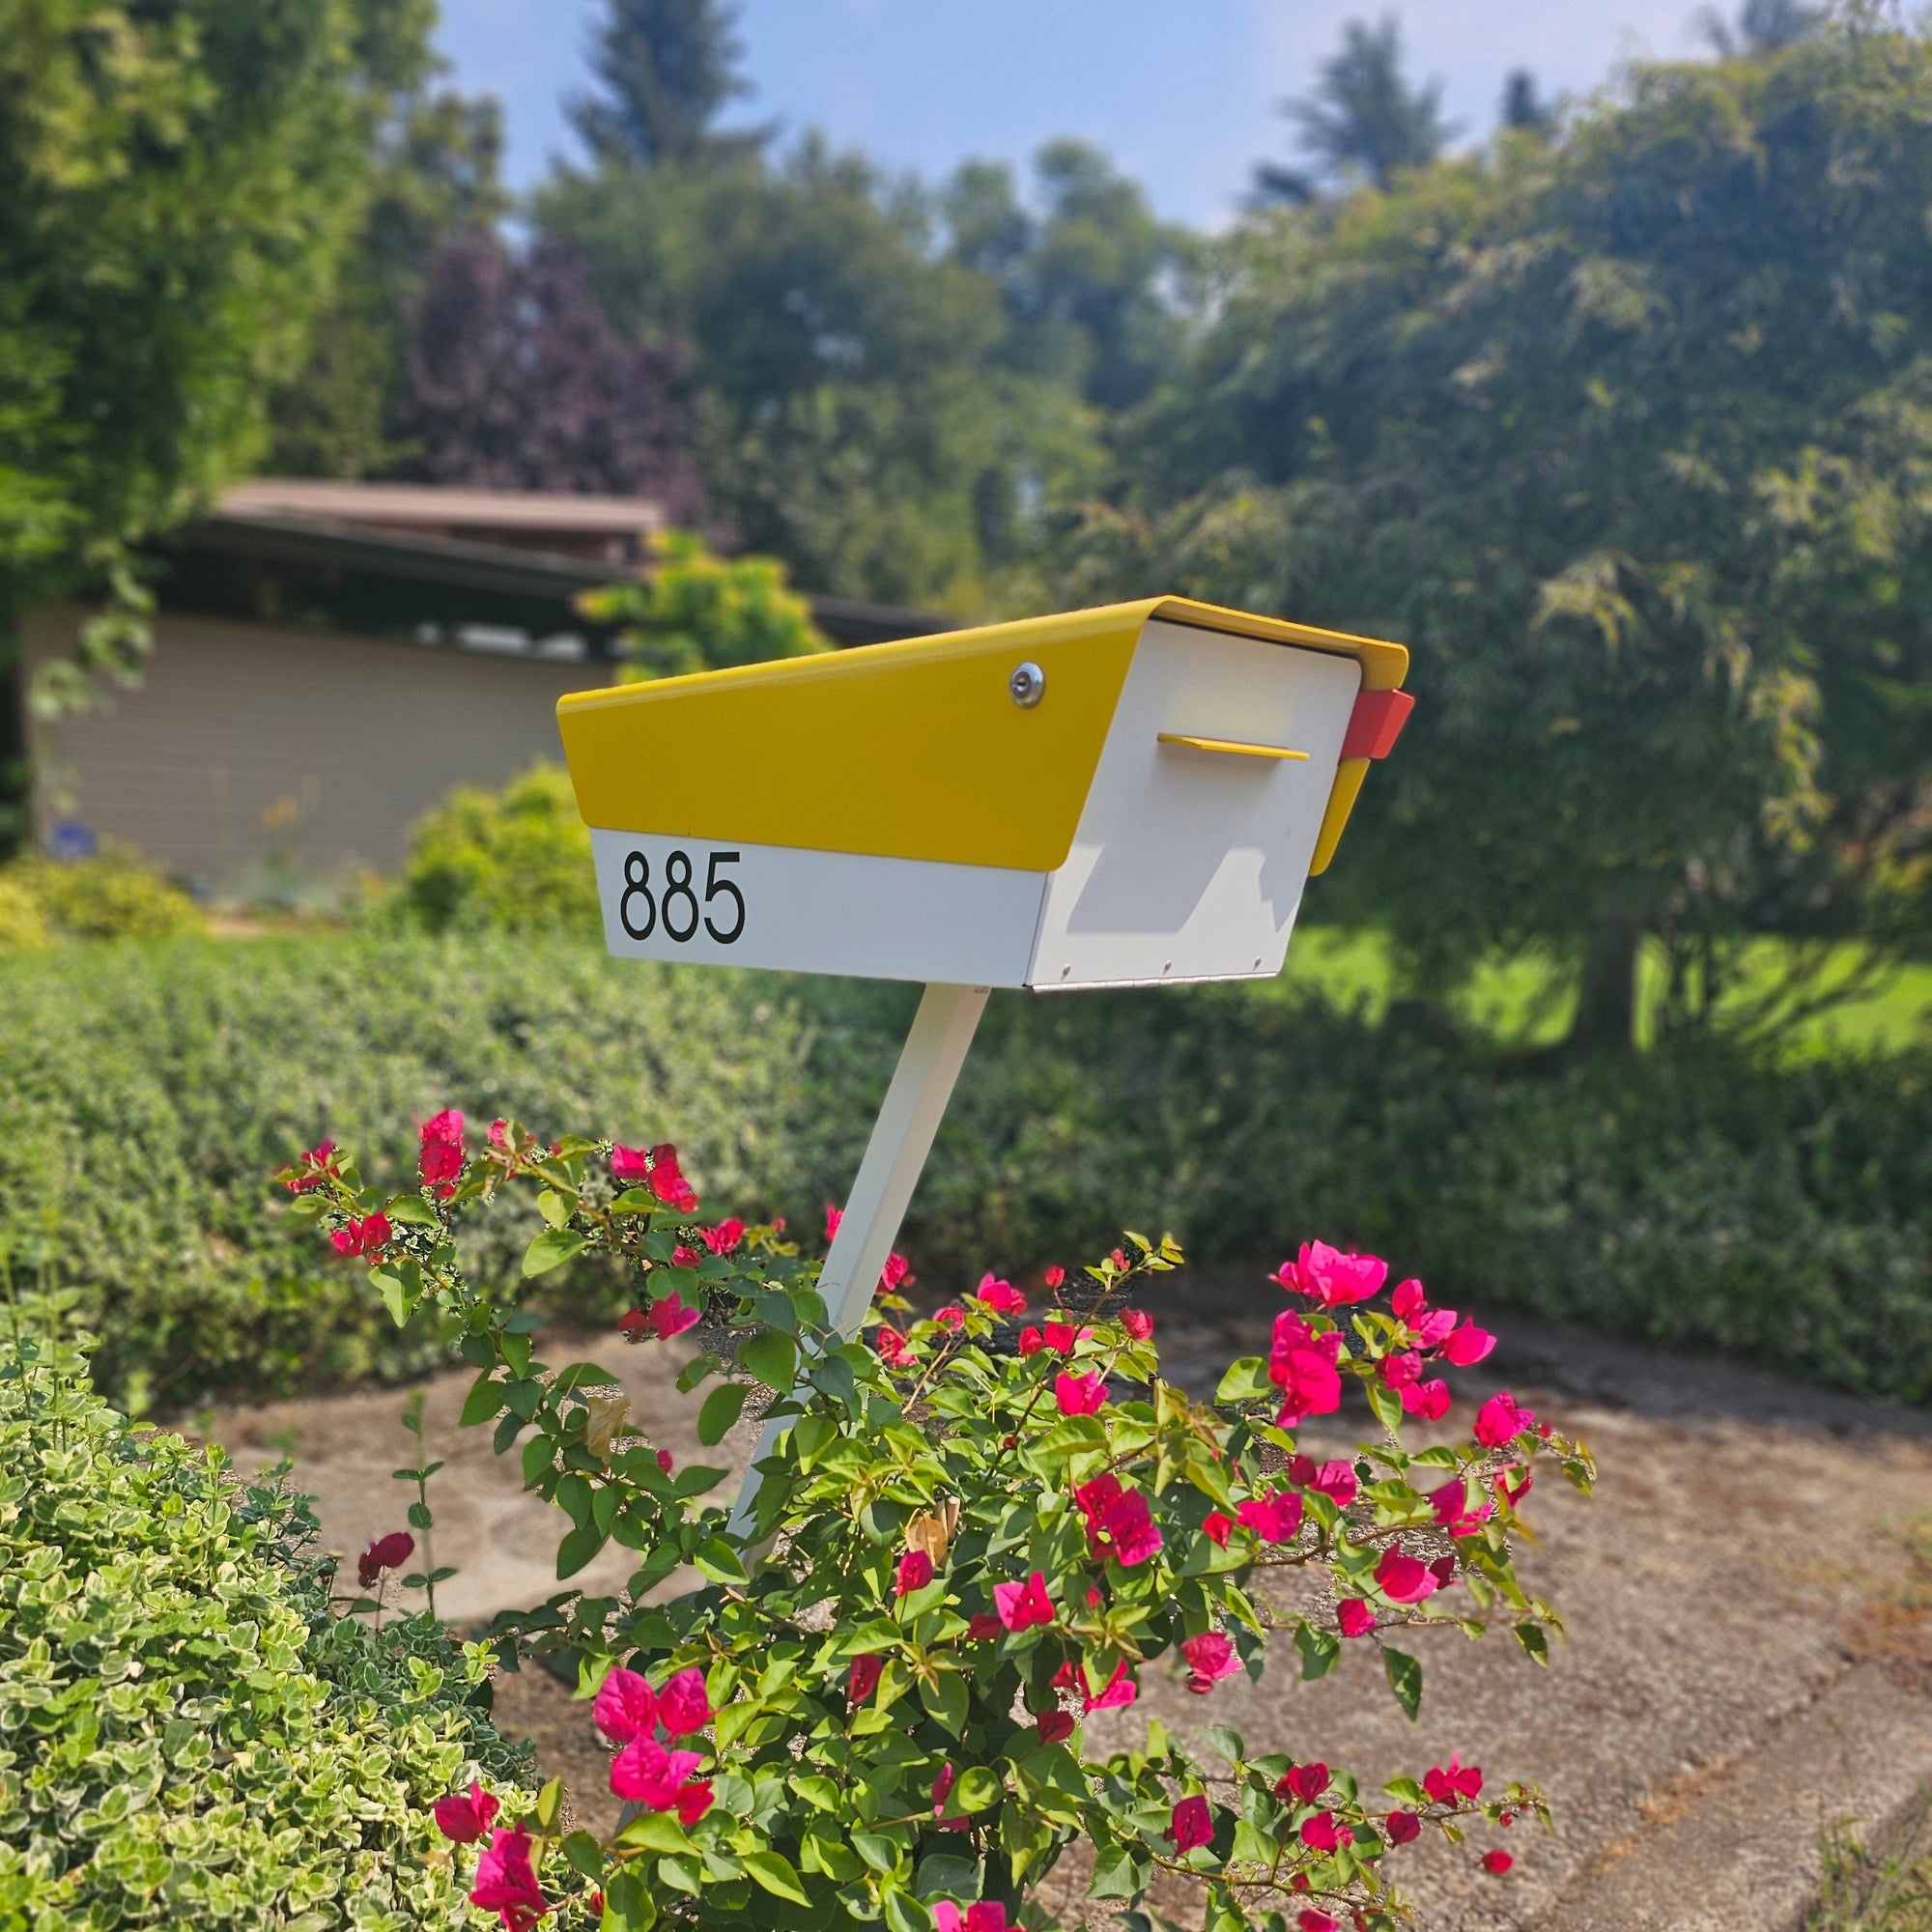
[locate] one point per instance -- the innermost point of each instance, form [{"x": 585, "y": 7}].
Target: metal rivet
[{"x": 1028, "y": 685}]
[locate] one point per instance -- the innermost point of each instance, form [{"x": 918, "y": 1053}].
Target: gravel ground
[{"x": 1749, "y": 1543}]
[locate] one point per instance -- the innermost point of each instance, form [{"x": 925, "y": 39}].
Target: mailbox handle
[{"x": 1230, "y": 747}]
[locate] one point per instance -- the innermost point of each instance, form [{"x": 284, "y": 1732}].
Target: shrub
[
  {"x": 112, "y": 896},
  {"x": 23, "y": 928},
  {"x": 969, "y": 1536},
  {"x": 1705, "y": 1200},
  {"x": 188, "y": 1735},
  {"x": 514, "y": 860}
]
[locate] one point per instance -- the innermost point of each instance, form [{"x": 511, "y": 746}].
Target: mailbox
[{"x": 1128, "y": 796}]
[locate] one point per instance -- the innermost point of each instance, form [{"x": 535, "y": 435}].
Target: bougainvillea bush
[
  {"x": 189, "y": 1735},
  {"x": 979, "y": 1528}
]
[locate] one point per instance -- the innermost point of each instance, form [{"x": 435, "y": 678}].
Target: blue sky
[{"x": 1182, "y": 93}]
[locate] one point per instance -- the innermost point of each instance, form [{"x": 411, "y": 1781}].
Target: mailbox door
[{"x": 1195, "y": 842}]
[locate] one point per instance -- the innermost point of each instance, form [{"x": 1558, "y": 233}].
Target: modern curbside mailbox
[{"x": 1128, "y": 796}]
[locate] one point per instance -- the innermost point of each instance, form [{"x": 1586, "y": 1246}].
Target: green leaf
[
  {"x": 400, "y": 1286},
  {"x": 1386, "y": 1404},
  {"x": 655, "y": 1832},
  {"x": 718, "y": 1561},
  {"x": 577, "y": 1550},
  {"x": 1319, "y": 1651},
  {"x": 905, "y": 1913},
  {"x": 878, "y": 1851},
  {"x": 627, "y": 1905},
  {"x": 411, "y": 1210},
  {"x": 550, "y": 1249},
  {"x": 811, "y": 1437},
  {"x": 978, "y": 1788},
  {"x": 1245, "y": 1380},
  {"x": 1405, "y": 1676},
  {"x": 1120, "y": 1871},
  {"x": 583, "y": 1854},
  {"x": 773, "y": 1357},
  {"x": 943, "y": 1875},
  {"x": 554, "y": 1207},
  {"x": 1535, "y": 1640},
  {"x": 720, "y": 1410},
  {"x": 1230, "y": 1743},
  {"x": 946, "y": 1700},
  {"x": 775, "y": 1873},
  {"x": 550, "y": 1801},
  {"x": 484, "y": 1399}
]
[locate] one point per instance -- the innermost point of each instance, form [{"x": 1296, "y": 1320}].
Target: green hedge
[
  {"x": 1705, "y": 1200},
  {"x": 188, "y": 1737}
]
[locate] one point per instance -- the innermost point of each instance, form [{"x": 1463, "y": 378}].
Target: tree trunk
[
  {"x": 16, "y": 771},
  {"x": 1605, "y": 1016}
]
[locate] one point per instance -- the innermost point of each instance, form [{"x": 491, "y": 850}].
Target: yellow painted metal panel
[
  {"x": 1229, "y": 747},
  {"x": 1348, "y": 787},
  {"x": 912, "y": 751}
]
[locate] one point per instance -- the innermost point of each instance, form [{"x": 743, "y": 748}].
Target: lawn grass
[{"x": 1524, "y": 1001}]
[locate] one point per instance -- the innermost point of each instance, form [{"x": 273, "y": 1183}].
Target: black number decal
[
  {"x": 637, "y": 886},
  {"x": 678, "y": 886},
  {"x": 716, "y": 887}
]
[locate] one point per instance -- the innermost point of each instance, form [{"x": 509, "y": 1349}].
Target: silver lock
[{"x": 1028, "y": 685}]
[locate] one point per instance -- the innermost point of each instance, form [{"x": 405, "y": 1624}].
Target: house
[{"x": 332, "y": 657}]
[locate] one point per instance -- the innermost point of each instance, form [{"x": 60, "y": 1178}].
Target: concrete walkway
[{"x": 1750, "y": 1652}]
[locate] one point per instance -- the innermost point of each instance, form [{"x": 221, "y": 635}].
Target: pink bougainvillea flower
[
  {"x": 1451, "y": 1782},
  {"x": 1060, "y": 1337},
  {"x": 1453, "y": 1512},
  {"x": 1466, "y": 1344},
  {"x": 891, "y": 1345},
  {"x": 498, "y": 1135},
  {"x": 1355, "y": 1617},
  {"x": 1435, "y": 1326},
  {"x": 506, "y": 1882},
  {"x": 1309, "y": 1385},
  {"x": 986, "y": 1915},
  {"x": 1404, "y": 1580},
  {"x": 1337, "y": 1481},
  {"x": 1192, "y": 1825},
  {"x": 319, "y": 1166},
  {"x": 684, "y": 1705},
  {"x": 1079, "y": 1395},
  {"x": 1119, "y": 1691},
  {"x": 1055, "y": 1727},
  {"x": 670, "y": 1317},
  {"x": 863, "y": 1679},
  {"x": 685, "y": 1258},
  {"x": 1426, "y": 1401},
  {"x": 1211, "y": 1657},
  {"x": 1443, "y": 1570},
  {"x": 1055, "y": 1276},
  {"x": 1310, "y": 1920},
  {"x": 368, "y": 1236},
  {"x": 1023, "y": 1605},
  {"x": 1406, "y": 1300},
  {"x": 1331, "y": 1277},
  {"x": 915, "y": 1573},
  {"x": 645, "y": 1773},
  {"x": 1501, "y": 1419},
  {"x": 895, "y": 1275},
  {"x": 832, "y": 1216},
  {"x": 1119, "y": 1523},
  {"x": 1399, "y": 1828},
  {"x": 386, "y": 1552},
  {"x": 625, "y": 1707},
  {"x": 1272, "y": 1519},
  {"x": 634, "y": 1324},
  {"x": 1495, "y": 1864},
  {"x": 1001, "y": 1297},
  {"x": 942, "y": 1785},
  {"x": 665, "y": 1461},
  {"x": 463, "y": 1817},
  {"x": 1303, "y": 1781},
  {"x": 1138, "y": 1323},
  {"x": 439, "y": 1159},
  {"x": 1218, "y": 1528},
  {"x": 984, "y": 1628},
  {"x": 630, "y": 1163},
  {"x": 952, "y": 1315},
  {"x": 693, "y": 1800},
  {"x": 666, "y": 1180},
  {"x": 1032, "y": 1341},
  {"x": 1321, "y": 1832},
  {"x": 1402, "y": 1370},
  {"x": 724, "y": 1239},
  {"x": 1511, "y": 1493}
]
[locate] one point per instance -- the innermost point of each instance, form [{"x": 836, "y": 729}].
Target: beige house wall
[{"x": 250, "y": 744}]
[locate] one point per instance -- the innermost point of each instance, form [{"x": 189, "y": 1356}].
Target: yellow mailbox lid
[{"x": 910, "y": 751}]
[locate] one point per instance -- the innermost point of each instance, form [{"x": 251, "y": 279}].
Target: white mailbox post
[{"x": 1129, "y": 796}]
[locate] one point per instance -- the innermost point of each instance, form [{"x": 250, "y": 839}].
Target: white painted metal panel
[
  {"x": 1187, "y": 863},
  {"x": 815, "y": 912}
]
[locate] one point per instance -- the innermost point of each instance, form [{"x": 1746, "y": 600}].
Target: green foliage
[
  {"x": 189, "y": 1735},
  {"x": 23, "y": 927},
  {"x": 514, "y": 860},
  {"x": 699, "y": 612},
  {"x": 963, "y": 1542},
  {"x": 1707, "y": 1201},
  {"x": 1574, "y": 421},
  {"x": 663, "y": 68},
  {"x": 112, "y": 896}
]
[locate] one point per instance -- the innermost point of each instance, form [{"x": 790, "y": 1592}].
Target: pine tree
[{"x": 665, "y": 69}]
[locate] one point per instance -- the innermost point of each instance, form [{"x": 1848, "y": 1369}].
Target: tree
[
  {"x": 513, "y": 379},
  {"x": 1629, "y": 435},
  {"x": 855, "y": 419},
  {"x": 1523, "y": 107},
  {"x": 1363, "y": 121},
  {"x": 1763, "y": 27},
  {"x": 666, "y": 68},
  {"x": 179, "y": 179}
]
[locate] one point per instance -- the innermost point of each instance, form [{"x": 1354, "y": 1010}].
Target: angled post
[{"x": 929, "y": 1063}]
